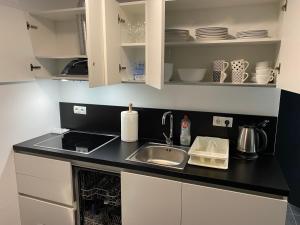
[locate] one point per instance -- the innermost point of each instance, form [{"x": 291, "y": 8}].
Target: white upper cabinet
[
  {"x": 289, "y": 78},
  {"x": 125, "y": 42},
  {"x": 15, "y": 47},
  {"x": 103, "y": 42},
  {"x": 155, "y": 38}
]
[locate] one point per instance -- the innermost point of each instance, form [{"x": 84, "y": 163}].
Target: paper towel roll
[{"x": 129, "y": 126}]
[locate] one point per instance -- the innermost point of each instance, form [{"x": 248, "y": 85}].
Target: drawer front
[
  {"x": 211, "y": 206},
  {"x": 44, "y": 178},
  {"x": 36, "y": 212}
]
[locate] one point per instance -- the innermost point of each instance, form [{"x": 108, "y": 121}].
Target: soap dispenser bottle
[{"x": 185, "y": 135}]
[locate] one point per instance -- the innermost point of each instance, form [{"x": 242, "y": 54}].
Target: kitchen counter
[{"x": 261, "y": 175}]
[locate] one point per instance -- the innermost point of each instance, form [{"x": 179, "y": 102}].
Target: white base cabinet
[
  {"x": 211, "y": 206},
  {"x": 44, "y": 178},
  {"x": 155, "y": 201},
  {"x": 150, "y": 200},
  {"x": 45, "y": 190},
  {"x": 36, "y": 212}
]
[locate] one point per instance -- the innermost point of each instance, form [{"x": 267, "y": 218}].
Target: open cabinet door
[
  {"x": 112, "y": 39},
  {"x": 15, "y": 47},
  {"x": 95, "y": 42},
  {"x": 289, "y": 77},
  {"x": 103, "y": 42},
  {"x": 155, "y": 43}
]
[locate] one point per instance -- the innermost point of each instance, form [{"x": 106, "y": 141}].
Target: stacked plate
[
  {"x": 252, "y": 34},
  {"x": 212, "y": 33},
  {"x": 177, "y": 35}
]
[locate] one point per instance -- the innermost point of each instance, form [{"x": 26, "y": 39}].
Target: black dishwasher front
[{"x": 98, "y": 195}]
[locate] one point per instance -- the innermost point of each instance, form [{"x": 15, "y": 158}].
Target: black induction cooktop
[{"x": 76, "y": 141}]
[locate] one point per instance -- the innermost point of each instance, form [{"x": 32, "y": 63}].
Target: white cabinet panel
[
  {"x": 155, "y": 38},
  {"x": 149, "y": 200},
  {"x": 44, "y": 178},
  {"x": 103, "y": 42},
  {"x": 36, "y": 212},
  {"x": 289, "y": 78},
  {"x": 112, "y": 42},
  {"x": 95, "y": 42},
  {"x": 16, "y": 52},
  {"x": 211, "y": 206}
]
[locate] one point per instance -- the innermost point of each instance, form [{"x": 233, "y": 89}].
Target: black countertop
[{"x": 261, "y": 175}]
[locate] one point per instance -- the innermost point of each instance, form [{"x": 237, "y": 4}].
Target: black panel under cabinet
[{"x": 107, "y": 119}]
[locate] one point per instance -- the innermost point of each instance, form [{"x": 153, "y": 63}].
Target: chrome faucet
[{"x": 169, "y": 140}]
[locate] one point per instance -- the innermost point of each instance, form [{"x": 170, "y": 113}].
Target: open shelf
[
  {"x": 204, "y": 4},
  {"x": 221, "y": 84},
  {"x": 60, "y": 14},
  {"x": 257, "y": 41},
  {"x": 133, "y": 81},
  {"x": 133, "y": 45},
  {"x": 70, "y": 78},
  {"x": 60, "y": 57}
]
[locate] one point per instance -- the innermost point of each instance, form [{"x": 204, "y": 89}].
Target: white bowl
[
  {"x": 168, "y": 71},
  {"x": 192, "y": 75}
]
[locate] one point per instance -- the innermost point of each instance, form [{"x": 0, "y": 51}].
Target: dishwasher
[{"x": 98, "y": 195}]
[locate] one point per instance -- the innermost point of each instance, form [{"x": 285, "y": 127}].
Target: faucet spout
[{"x": 169, "y": 138}]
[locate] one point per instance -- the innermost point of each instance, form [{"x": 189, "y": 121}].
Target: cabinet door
[
  {"x": 289, "y": 78},
  {"x": 150, "y": 201},
  {"x": 155, "y": 43},
  {"x": 103, "y": 42},
  {"x": 37, "y": 212},
  {"x": 211, "y": 206},
  {"x": 15, "y": 47}
]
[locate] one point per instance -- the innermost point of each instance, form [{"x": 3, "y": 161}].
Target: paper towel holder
[{"x": 129, "y": 125}]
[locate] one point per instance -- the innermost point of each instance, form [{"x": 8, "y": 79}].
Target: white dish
[
  {"x": 262, "y": 65},
  {"x": 169, "y": 68},
  {"x": 192, "y": 75}
]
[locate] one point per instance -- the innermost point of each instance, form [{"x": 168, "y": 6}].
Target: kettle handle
[{"x": 263, "y": 134}]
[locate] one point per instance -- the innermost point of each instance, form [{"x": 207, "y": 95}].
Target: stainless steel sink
[{"x": 161, "y": 155}]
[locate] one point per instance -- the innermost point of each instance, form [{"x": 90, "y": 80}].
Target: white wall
[
  {"x": 243, "y": 100},
  {"x": 27, "y": 111}
]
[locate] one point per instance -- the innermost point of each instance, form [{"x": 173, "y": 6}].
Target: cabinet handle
[
  {"x": 284, "y": 7},
  {"x": 278, "y": 68},
  {"x": 120, "y": 20},
  {"x": 30, "y": 26},
  {"x": 122, "y": 67},
  {"x": 32, "y": 67}
]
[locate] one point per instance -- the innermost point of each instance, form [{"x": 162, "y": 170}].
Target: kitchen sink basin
[{"x": 161, "y": 155}]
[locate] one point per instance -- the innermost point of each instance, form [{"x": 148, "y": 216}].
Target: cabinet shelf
[
  {"x": 133, "y": 45},
  {"x": 221, "y": 84},
  {"x": 67, "y": 78},
  {"x": 60, "y": 14},
  {"x": 257, "y": 41},
  {"x": 60, "y": 57},
  {"x": 204, "y": 4}
]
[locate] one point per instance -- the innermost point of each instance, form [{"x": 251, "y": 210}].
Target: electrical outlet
[
  {"x": 81, "y": 110},
  {"x": 222, "y": 121}
]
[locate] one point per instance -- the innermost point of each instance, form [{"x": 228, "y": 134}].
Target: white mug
[
  {"x": 240, "y": 65},
  {"x": 266, "y": 72},
  {"x": 264, "y": 79},
  {"x": 239, "y": 77},
  {"x": 221, "y": 65}
]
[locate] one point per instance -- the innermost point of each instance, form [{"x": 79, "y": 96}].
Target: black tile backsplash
[{"x": 102, "y": 118}]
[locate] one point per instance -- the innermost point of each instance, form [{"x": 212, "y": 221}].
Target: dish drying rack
[{"x": 210, "y": 152}]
